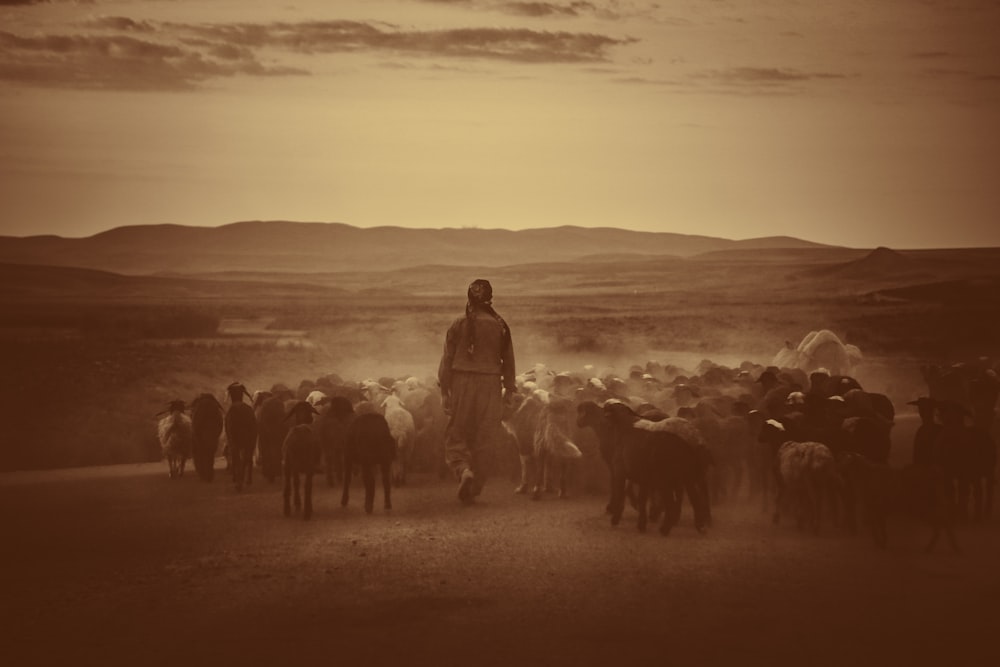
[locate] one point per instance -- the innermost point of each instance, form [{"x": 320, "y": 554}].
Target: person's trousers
[{"x": 476, "y": 410}]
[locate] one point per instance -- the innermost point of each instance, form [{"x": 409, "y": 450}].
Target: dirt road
[{"x": 122, "y": 566}]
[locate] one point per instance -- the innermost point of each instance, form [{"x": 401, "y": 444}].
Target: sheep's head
[
  {"x": 588, "y": 413},
  {"x": 207, "y": 400},
  {"x": 303, "y": 412},
  {"x": 237, "y": 391},
  {"x": 259, "y": 397},
  {"x": 340, "y": 407},
  {"x": 620, "y": 414},
  {"x": 176, "y": 405}
]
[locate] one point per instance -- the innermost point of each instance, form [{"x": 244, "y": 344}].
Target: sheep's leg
[
  {"x": 386, "y": 485},
  {"x": 348, "y": 472},
  {"x": 736, "y": 481},
  {"x": 368, "y": 474},
  {"x": 563, "y": 473},
  {"x": 667, "y": 499},
  {"x": 631, "y": 495},
  {"x": 287, "y": 492},
  {"x": 778, "y": 500},
  {"x": 525, "y": 474},
  {"x": 818, "y": 510},
  {"x": 706, "y": 501},
  {"x": 617, "y": 491},
  {"x": 641, "y": 500},
  {"x": 656, "y": 500},
  {"x": 237, "y": 469},
  {"x": 699, "y": 503},
  {"x": 328, "y": 466},
  {"x": 308, "y": 510},
  {"x": 295, "y": 487},
  {"x": 541, "y": 462}
]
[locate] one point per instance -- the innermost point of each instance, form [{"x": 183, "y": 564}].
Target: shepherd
[{"x": 476, "y": 375}]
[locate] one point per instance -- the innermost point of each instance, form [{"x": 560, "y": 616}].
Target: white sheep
[
  {"x": 176, "y": 437},
  {"x": 806, "y": 472},
  {"x": 818, "y": 349},
  {"x": 403, "y": 431},
  {"x": 315, "y": 397}
]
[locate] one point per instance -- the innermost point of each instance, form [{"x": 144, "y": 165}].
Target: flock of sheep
[{"x": 814, "y": 445}]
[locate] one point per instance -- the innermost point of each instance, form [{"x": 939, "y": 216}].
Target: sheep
[
  {"x": 206, "y": 423},
  {"x": 176, "y": 437},
  {"x": 272, "y": 426},
  {"x": 921, "y": 490},
  {"x": 520, "y": 422},
  {"x": 968, "y": 454},
  {"x": 735, "y": 449},
  {"x": 551, "y": 445},
  {"x": 819, "y": 349},
  {"x": 300, "y": 454},
  {"x": 369, "y": 443},
  {"x": 331, "y": 430},
  {"x": 658, "y": 462},
  {"x": 403, "y": 431},
  {"x": 805, "y": 473},
  {"x": 241, "y": 432}
]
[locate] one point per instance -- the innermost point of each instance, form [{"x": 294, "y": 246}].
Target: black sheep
[
  {"x": 656, "y": 461},
  {"x": 241, "y": 432},
  {"x": 206, "y": 422},
  {"x": 300, "y": 454},
  {"x": 368, "y": 443}
]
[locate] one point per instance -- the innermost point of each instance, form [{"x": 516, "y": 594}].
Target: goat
[
  {"x": 552, "y": 447},
  {"x": 403, "y": 431},
  {"x": 176, "y": 437},
  {"x": 369, "y": 443},
  {"x": 272, "y": 426},
  {"x": 805, "y": 474},
  {"x": 300, "y": 454},
  {"x": 241, "y": 432},
  {"x": 657, "y": 461},
  {"x": 206, "y": 423},
  {"x": 925, "y": 491}
]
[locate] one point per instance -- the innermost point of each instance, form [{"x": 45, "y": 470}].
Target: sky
[{"x": 856, "y": 123}]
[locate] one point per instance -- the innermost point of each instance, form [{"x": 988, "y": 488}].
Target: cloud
[
  {"x": 741, "y": 81},
  {"x": 611, "y": 11},
  {"x": 546, "y": 8},
  {"x": 763, "y": 75},
  {"x": 120, "y": 23},
  {"x": 509, "y": 44},
  {"x": 118, "y": 62},
  {"x": 121, "y": 53}
]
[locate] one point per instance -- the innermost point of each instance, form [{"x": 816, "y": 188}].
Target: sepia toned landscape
[
  {"x": 747, "y": 254},
  {"x": 112, "y": 554}
]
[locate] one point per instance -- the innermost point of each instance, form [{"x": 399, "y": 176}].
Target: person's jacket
[{"x": 493, "y": 353}]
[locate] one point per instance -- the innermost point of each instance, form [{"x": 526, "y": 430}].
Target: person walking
[{"x": 476, "y": 375}]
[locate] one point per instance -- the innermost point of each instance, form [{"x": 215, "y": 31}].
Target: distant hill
[
  {"x": 24, "y": 281},
  {"x": 880, "y": 264},
  {"x": 301, "y": 247},
  {"x": 967, "y": 292}
]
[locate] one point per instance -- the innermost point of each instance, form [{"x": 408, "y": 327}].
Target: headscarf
[{"x": 480, "y": 295}]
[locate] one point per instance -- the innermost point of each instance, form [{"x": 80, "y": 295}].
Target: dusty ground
[{"x": 120, "y": 565}]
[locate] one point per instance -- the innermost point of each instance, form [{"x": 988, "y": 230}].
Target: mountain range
[{"x": 307, "y": 247}]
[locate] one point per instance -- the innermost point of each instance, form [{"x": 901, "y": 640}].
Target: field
[
  {"x": 106, "y": 561},
  {"x": 121, "y": 566},
  {"x": 89, "y": 358}
]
